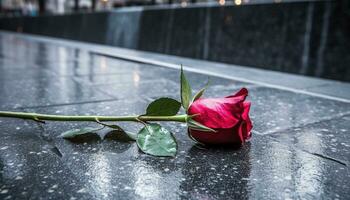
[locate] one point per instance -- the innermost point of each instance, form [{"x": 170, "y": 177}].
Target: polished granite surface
[{"x": 299, "y": 149}]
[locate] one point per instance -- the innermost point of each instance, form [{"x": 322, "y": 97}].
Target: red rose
[{"x": 228, "y": 116}]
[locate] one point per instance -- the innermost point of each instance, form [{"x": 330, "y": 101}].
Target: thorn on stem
[
  {"x": 99, "y": 122},
  {"x": 141, "y": 121},
  {"x": 108, "y": 125},
  {"x": 38, "y": 120}
]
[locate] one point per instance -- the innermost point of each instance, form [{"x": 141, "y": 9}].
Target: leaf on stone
[
  {"x": 121, "y": 135},
  {"x": 78, "y": 132},
  {"x": 198, "y": 126},
  {"x": 87, "y": 134},
  {"x": 163, "y": 107},
  {"x": 155, "y": 140},
  {"x": 186, "y": 91},
  {"x": 118, "y": 133},
  {"x": 200, "y": 92},
  {"x": 131, "y": 135},
  {"x": 113, "y": 126}
]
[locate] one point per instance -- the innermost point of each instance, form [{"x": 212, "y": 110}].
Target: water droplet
[
  {"x": 82, "y": 190},
  {"x": 4, "y": 191},
  {"x": 127, "y": 188}
]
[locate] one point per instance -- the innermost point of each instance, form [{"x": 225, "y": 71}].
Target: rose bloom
[{"x": 228, "y": 116}]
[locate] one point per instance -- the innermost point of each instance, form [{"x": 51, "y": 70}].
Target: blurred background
[
  {"x": 305, "y": 37},
  {"x": 35, "y": 7}
]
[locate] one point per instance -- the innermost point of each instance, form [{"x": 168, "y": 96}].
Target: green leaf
[
  {"x": 121, "y": 135},
  {"x": 118, "y": 130},
  {"x": 78, "y": 132},
  {"x": 200, "y": 92},
  {"x": 131, "y": 135},
  {"x": 156, "y": 140},
  {"x": 186, "y": 91},
  {"x": 198, "y": 126},
  {"x": 113, "y": 126},
  {"x": 163, "y": 107}
]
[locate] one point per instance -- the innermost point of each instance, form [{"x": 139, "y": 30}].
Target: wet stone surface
[
  {"x": 45, "y": 91},
  {"x": 299, "y": 149},
  {"x": 329, "y": 138},
  {"x": 275, "y": 110}
]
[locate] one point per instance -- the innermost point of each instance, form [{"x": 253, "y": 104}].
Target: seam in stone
[
  {"x": 329, "y": 158},
  {"x": 341, "y": 162}
]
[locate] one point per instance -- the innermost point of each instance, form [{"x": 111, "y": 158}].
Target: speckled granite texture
[{"x": 299, "y": 149}]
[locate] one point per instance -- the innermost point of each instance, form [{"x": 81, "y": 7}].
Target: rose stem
[{"x": 93, "y": 118}]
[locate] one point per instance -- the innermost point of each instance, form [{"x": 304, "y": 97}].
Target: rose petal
[
  {"x": 219, "y": 112},
  {"x": 242, "y": 93},
  {"x": 246, "y": 118},
  {"x": 216, "y": 113}
]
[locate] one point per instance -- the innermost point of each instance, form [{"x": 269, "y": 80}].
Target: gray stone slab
[
  {"x": 88, "y": 64},
  {"x": 132, "y": 90},
  {"x": 45, "y": 91},
  {"x": 13, "y": 48},
  {"x": 15, "y": 74},
  {"x": 117, "y": 79},
  {"x": 300, "y": 157},
  {"x": 328, "y": 138},
  {"x": 274, "y": 110},
  {"x": 116, "y": 107},
  {"x": 198, "y": 81},
  {"x": 242, "y": 73},
  {"x": 31, "y": 166},
  {"x": 37, "y": 164},
  {"x": 263, "y": 176},
  {"x": 164, "y": 83},
  {"x": 16, "y": 64},
  {"x": 124, "y": 72}
]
